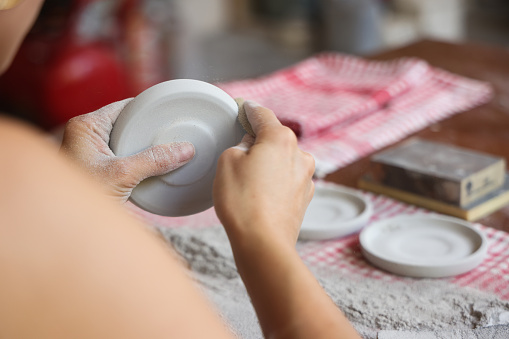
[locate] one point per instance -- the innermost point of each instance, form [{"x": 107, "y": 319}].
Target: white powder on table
[{"x": 370, "y": 304}]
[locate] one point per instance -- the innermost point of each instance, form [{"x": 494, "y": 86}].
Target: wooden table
[{"x": 484, "y": 128}]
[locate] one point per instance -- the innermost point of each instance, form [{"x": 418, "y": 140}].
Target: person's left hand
[{"x": 86, "y": 140}]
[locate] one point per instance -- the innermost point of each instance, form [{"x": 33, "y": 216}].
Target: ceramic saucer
[
  {"x": 423, "y": 246},
  {"x": 172, "y": 111},
  {"x": 334, "y": 212}
]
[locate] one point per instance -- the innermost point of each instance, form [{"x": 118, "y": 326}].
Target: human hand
[
  {"x": 86, "y": 140},
  {"x": 263, "y": 186}
]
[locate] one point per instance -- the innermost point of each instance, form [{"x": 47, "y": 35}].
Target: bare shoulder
[
  {"x": 10, "y": 127},
  {"x": 20, "y": 142},
  {"x": 12, "y": 130}
]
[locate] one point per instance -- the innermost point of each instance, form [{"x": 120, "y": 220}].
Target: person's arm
[
  {"x": 261, "y": 192},
  {"x": 74, "y": 264}
]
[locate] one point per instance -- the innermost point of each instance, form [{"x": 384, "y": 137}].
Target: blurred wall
[
  {"x": 148, "y": 41},
  {"x": 229, "y": 39}
]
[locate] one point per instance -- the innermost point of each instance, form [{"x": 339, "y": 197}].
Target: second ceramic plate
[
  {"x": 423, "y": 246},
  {"x": 335, "y": 211}
]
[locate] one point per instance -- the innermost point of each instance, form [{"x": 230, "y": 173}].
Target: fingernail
[
  {"x": 252, "y": 113},
  {"x": 250, "y": 104},
  {"x": 184, "y": 151}
]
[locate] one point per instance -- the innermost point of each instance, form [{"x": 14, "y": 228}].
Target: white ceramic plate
[
  {"x": 178, "y": 110},
  {"x": 423, "y": 246},
  {"x": 334, "y": 212}
]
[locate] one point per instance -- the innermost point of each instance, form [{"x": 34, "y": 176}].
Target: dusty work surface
[{"x": 371, "y": 304}]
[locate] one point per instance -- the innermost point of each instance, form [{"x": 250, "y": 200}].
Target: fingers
[
  {"x": 159, "y": 160},
  {"x": 112, "y": 111},
  {"x": 99, "y": 122},
  {"x": 309, "y": 162},
  {"x": 246, "y": 143},
  {"x": 260, "y": 118}
]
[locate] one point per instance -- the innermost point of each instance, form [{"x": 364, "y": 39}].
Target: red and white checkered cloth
[
  {"x": 343, "y": 107},
  {"x": 344, "y": 254}
]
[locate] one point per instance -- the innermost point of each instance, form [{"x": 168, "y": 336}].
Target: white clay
[
  {"x": 335, "y": 212},
  {"x": 172, "y": 111},
  {"x": 423, "y": 246}
]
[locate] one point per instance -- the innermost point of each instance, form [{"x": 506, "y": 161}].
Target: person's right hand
[
  {"x": 261, "y": 191},
  {"x": 263, "y": 186}
]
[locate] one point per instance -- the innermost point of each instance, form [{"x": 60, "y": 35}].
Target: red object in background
[
  {"x": 20, "y": 88},
  {"x": 69, "y": 65},
  {"x": 81, "y": 79},
  {"x": 58, "y": 74}
]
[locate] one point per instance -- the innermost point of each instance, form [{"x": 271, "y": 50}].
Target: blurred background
[{"x": 84, "y": 54}]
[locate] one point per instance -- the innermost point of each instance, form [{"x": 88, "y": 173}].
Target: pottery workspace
[{"x": 403, "y": 106}]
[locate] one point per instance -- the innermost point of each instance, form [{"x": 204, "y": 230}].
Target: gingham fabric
[
  {"x": 344, "y": 254},
  {"x": 343, "y": 107}
]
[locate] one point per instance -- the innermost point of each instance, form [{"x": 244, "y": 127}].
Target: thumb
[
  {"x": 260, "y": 118},
  {"x": 159, "y": 159}
]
